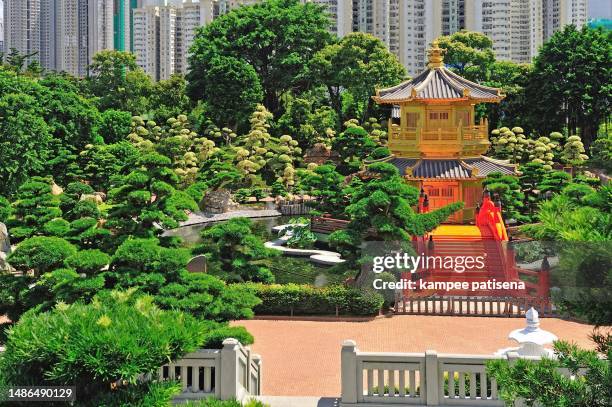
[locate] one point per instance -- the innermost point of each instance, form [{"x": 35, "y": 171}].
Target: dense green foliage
[
  {"x": 293, "y": 299},
  {"x": 274, "y": 40},
  {"x": 508, "y": 189},
  {"x": 358, "y": 64},
  {"x": 577, "y": 223},
  {"x": 116, "y": 339},
  {"x": 570, "y": 82},
  {"x": 541, "y": 382},
  {"x": 94, "y": 170},
  {"x": 236, "y": 253}
]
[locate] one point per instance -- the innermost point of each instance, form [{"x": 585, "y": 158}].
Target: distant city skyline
[{"x": 65, "y": 34}]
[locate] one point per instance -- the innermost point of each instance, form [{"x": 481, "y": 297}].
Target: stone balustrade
[
  {"x": 378, "y": 379},
  {"x": 232, "y": 372}
]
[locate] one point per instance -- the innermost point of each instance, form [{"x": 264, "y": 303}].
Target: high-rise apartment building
[
  {"x": 1, "y": 26},
  {"x": 340, "y": 13},
  {"x": 517, "y": 28},
  {"x": 122, "y": 24},
  {"x": 146, "y": 39},
  {"x": 22, "y": 27},
  {"x": 372, "y": 16},
  {"x": 63, "y": 34},
  {"x": 164, "y": 34},
  {"x": 559, "y": 13},
  {"x": 190, "y": 16}
]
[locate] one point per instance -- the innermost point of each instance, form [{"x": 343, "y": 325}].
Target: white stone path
[{"x": 324, "y": 257}]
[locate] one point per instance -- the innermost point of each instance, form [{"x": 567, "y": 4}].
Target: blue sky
[{"x": 600, "y": 9}]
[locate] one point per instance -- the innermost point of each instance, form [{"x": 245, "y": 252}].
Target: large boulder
[
  {"x": 5, "y": 247},
  {"x": 95, "y": 198},
  {"x": 217, "y": 201}
]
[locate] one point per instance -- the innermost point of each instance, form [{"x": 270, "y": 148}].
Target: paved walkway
[
  {"x": 302, "y": 358},
  {"x": 284, "y": 401}
]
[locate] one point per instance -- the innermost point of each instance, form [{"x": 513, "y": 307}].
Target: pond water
[
  {"x": 191, "y": 234},
  {"x": 287, "y": 269}
]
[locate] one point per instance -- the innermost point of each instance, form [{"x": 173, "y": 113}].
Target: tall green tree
[
  {"x": 34, "y": 205},
  {"x": 277, "y": 38},
  {"x": 570, "y": 83},
  {"x": 118, "y": 82},
  {"x": 469, "y": 53},
  {"x": 25, "y": 140},
  {"x": 230, "y": 89},
  {"x": 146, "y": 200},
  {"x": 325, "y": 184},
  {"x": 169, "y": 98},
  {"x": 236, "y": 252},
  {"x": 359, "y": 63},
  {"x": 381, "y": 208},
  {"x": 114, "y": 125}
]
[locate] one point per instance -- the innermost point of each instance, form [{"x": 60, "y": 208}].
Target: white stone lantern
[{"x": 531, "y": 338}]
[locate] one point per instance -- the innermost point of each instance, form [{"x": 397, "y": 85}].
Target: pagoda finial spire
[{"x": 436, "y": 55}]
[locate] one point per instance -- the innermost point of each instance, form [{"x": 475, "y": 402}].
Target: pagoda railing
[{"x": 460, "y": 133}]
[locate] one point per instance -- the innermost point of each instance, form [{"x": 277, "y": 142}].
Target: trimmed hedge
[
  {"x": 294, "y": 299},
  {"x": 214, "y": 338}
]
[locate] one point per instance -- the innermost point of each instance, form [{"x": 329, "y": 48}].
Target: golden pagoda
[{"x": 434, "y": 138}]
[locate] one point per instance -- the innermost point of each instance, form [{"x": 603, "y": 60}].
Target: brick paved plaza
[{"x": 302, "y": 358}]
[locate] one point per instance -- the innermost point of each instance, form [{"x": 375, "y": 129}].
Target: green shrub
[
  {"x": 115, "y": 339},
  {"x": 541, "y": 383},
  {"x": 5, "y": 209},
  {"x": 57, "y": 227},
  {"x": 208, "y": 297},
  {"x": 41, "y": 254},
  {"x": 577, "y": 191},
  {"x": 71, "y": 196},
  {"x": 85, "y": 209},
  {"x": 242, "y": 195},
  {"x": 88, "y": 261},
  {"x": 148, "y": 394},
  {"x": 227, "y": 403},
  {"x": 213, "y": 339},
  {"x": 309, "y": 300},
  {"x": 379, "y": 153}
]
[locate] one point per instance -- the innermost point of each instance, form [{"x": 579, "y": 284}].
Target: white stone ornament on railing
[{"x": 531, "y": 339}]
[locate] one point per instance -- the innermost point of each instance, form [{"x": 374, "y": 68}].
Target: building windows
[
  {"x": 438, "y": 115},
  {"x": 412, "y": 119}
]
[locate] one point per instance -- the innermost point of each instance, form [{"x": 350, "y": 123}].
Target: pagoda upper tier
[
  {"x": 433, "y": 113},
  {"x": 437, "y": 83}
]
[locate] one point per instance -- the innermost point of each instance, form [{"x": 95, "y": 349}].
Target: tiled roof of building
[
  {"x": 438, "y": 83},
  {"x": 402, "y": 163},
  {"x": 488, "y": 166},
  {"x": 444, "y": 169},
  {"x": 468, "y": 168}
]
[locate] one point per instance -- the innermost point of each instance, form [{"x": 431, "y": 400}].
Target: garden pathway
[{"x": 302, "y": 358}]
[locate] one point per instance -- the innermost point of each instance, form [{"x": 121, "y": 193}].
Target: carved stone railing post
[
  {"x": 431, "y": 378},
  {"x": 348, "y": 365},
  {"x": 229, "y": 381}
]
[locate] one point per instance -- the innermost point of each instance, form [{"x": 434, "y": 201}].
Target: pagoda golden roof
[{"x": 437, "y": 83}]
